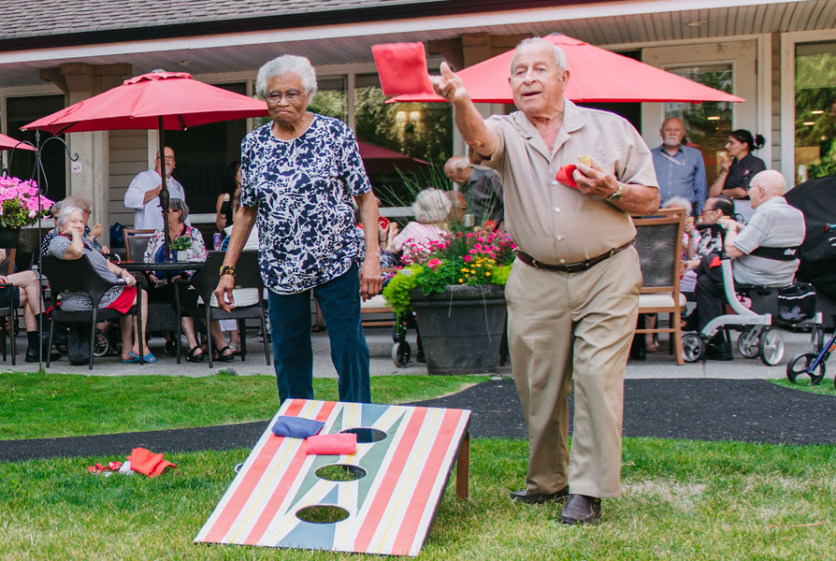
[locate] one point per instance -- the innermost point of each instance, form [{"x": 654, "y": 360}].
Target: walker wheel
[
  {"x": 799, "y": 366},
  {"x": 771, "y": 347},
  {"x": 748, "y": 343},
  {"x": 401, "y": 353},
  {"x": 693, "y": 347},
  {"x": 101, "y": 346}
]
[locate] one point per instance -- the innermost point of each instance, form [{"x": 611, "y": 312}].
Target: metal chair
[
  {"x": 78, "y": 275},
  {"x": 205, "y": 281},
  {"x": 659, "y": 244},
  {"x": 136, "y": 242}
]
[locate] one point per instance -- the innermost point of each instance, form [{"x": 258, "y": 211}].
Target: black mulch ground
[{"x": 737, "y": 410}]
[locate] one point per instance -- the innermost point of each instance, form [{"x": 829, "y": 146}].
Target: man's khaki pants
[{"x": 599, "y": 307}]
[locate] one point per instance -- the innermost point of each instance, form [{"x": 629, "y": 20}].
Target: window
[
  {"x": 707, "y": 124},
  {"x": 21, "y": 111},
  {"x": 815, "y": 110}
]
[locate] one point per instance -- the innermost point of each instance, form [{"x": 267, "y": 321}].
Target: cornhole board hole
[{"x": 382, "y": 499}]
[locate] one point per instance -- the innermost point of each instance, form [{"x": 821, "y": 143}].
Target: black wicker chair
[
  {"x": 78, "y": 275},
  {"x": 205, "y": 281},
  {"x": 8, "y": 315}
]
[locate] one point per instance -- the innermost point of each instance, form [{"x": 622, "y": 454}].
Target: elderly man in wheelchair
[{"x": 764, "y": 260}]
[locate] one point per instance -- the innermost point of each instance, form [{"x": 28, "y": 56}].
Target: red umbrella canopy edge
[
  {"x": 595, "y": 75},
  {"x": 140, "y": 101}
]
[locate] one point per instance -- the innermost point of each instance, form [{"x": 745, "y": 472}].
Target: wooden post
[{"x": 463, "y": 469}]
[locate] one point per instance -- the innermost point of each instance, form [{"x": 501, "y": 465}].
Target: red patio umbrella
[
  {"x": 158, "y": 100},
  {"x": 8, "y": 143},
  {"x": 596, "y": 75},
  {"x": 378, "y": 160}
]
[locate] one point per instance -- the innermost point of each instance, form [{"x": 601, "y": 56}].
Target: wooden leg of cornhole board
[{"x": 463, "y": 468}]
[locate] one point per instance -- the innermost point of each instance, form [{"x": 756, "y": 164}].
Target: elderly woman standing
[
  {"x": 70, "y": 245},
  {"x": 298, "y": 175}
]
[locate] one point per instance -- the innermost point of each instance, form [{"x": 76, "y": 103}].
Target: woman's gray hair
[
  {"x": 431, "y": 205},
  {"x": 678, "y": 202},
  {"x": 66, "y": 211},
  {"x": 285, "y": 64},
  {"x": 179, "y": 204},
  {"x": 77, "y": 201},
  {"x": 559, "y": 55}
]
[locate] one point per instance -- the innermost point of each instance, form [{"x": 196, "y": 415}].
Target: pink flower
[
  {"x": 434, "y": 263},
  {"x": 468, "y": 258},
  {"x": 473, "y": 252}
]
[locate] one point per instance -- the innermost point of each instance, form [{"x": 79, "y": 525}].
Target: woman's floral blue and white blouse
[{"x": 304, "y": 188}]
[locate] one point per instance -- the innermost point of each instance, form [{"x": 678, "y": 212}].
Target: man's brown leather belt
[{"x": 571, "y": 267}]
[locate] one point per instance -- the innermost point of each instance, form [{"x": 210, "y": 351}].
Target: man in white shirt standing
[{"x": 143, "y": 194}]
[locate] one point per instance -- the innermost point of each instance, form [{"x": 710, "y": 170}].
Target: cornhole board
[{"x": 390, "y": 509}]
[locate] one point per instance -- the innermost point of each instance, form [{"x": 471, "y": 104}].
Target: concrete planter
[{"x": 461, "y": 328}]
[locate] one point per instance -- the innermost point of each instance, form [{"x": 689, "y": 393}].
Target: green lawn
[
  {"x": 682, "y": 500},
  {"x": 803, "y": 384},
  {"x": 56, "y": 405}
]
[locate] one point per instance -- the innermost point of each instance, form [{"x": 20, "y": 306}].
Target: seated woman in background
[
  {"x": 90, "y": 234},
  {"x": 164, "y": 281},
  {"x": 431, "y": 208},
  {"x": 70, "y": 245}
]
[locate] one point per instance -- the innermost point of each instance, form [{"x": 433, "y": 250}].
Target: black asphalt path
[{"x": 732, "y": 410}]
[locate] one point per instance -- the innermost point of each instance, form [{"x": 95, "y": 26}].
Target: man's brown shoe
[
  {"x": 580, "y": 509},
  {"x": 533, "y": 499}
]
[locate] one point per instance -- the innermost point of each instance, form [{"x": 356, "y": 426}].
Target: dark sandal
[
  {"x": 191, "y": 357},
  {"x": 221, "y": 357},
  {"x": 318, "y": 328}
]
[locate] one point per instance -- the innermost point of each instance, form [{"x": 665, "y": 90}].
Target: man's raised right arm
[{"x": 468, "y": 120}]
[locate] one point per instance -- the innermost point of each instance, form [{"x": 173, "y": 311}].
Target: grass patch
[
  {"x": 682, "y": 500},
  {"x": 57, "y": 405},
  {"x": 825, "y": 386}
]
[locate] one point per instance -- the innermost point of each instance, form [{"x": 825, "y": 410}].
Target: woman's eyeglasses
[{"x": 289, "y": 95}]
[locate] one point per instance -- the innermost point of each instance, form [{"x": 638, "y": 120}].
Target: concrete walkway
[{"x": 657, "y": 365}]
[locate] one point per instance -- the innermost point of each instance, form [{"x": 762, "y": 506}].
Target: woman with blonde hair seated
[{"x": 431, "y": 208}]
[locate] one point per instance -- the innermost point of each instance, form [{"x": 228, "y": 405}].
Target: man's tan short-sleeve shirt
[{"x": 552, "y": 222}]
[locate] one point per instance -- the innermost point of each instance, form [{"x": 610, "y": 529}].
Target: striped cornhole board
[{"x": 390, "y": 509}]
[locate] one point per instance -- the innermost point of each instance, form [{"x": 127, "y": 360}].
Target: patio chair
[
  {"x": 7, "y": 327},
  {"x": 136, "y": 242},
  {"x": 78, "y": 275},
  {"x": 205, "y": 281},
  {"x": 659, "y": 244}
]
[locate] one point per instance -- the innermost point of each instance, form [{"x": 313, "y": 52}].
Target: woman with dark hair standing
[
  {"x": 739, "y": 167},
  {"x": 232, "y": 191}
]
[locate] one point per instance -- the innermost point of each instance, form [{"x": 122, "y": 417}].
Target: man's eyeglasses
[
  {"x": 290, "y": 95},
  {"x": 167, "y": 158}
]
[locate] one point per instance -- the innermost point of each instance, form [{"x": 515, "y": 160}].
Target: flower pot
[
  {"x": 9, "y": 238},
  {"x": 182, "y": 256},
  {"x": 461, "y": 328}
]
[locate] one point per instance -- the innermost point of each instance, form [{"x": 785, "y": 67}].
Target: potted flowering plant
[
  {"x": 20, "y": 205},
  {"x": 456, "y": 287}
]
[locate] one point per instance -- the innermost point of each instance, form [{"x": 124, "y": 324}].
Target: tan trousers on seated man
[{"x": 545, "y": 308}]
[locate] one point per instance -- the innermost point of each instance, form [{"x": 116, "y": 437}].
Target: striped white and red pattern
[{"x": 390, "y": 509}]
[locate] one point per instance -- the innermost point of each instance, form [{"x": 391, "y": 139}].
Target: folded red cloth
[
  {"x": 147, "y": 463},
  {"x": 334, "y": 444},
  {"x": 402, "y": 68},
  {"x": 564, "y": 175},
  {"x": 716, "y": 262}
]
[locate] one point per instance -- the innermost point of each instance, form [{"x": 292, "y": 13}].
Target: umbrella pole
[{"x": 164, "y": 196}]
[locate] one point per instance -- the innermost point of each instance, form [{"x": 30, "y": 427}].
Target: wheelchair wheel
[
  {"x": 693, "y": 347},
  {"x": 401, "y": 353},
  {"x": 800, "y": 363},
  {"x": 748, "y": 343},
  {"x": 101, "y": 346},
  {"x": 771, "y": 347},
  {"x": 817, "y": 339}
]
